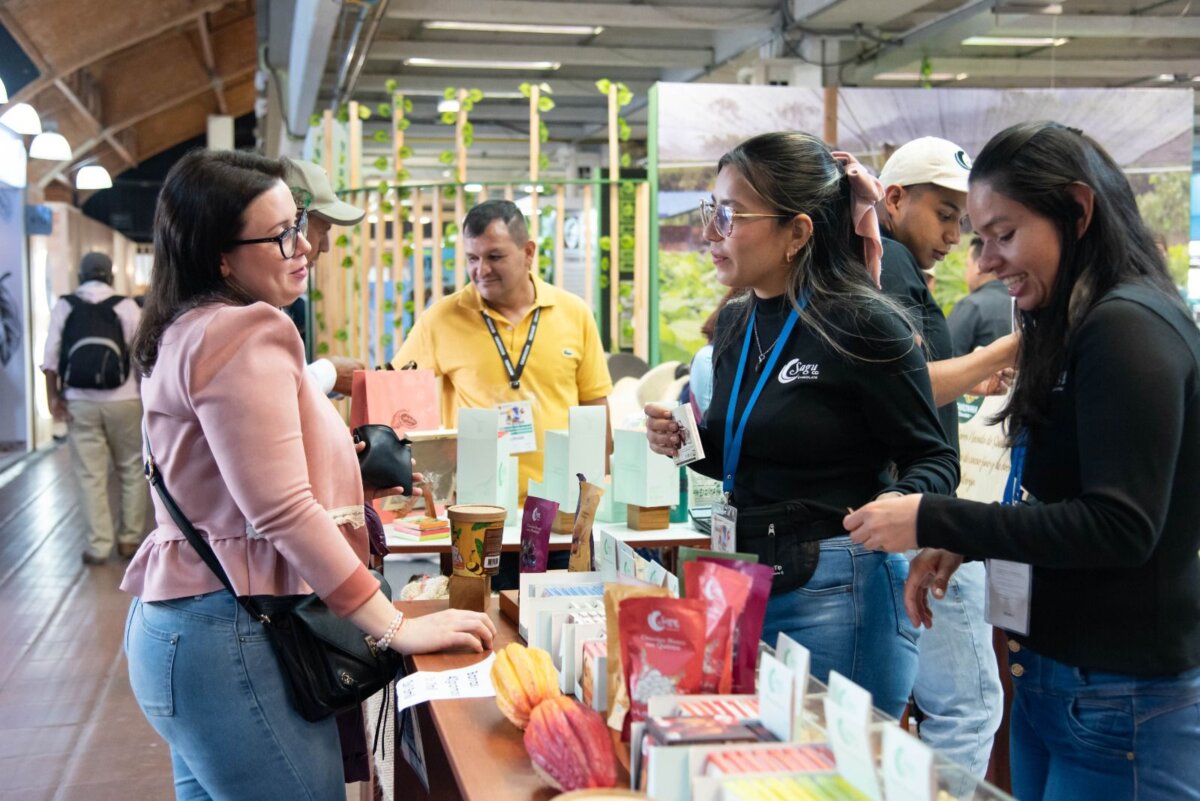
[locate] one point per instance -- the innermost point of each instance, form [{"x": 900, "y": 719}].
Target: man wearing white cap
[
  {"x": 314, "y": 193},
  {"x": 958, "y": 685}
]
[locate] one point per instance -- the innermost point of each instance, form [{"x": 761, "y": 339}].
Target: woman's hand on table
[
  {"x": 449, "y": 629},
  {"x": 929, "y": 573},
  {"x": 886, "y": 524},
  {"x": 662, "y": 431}
]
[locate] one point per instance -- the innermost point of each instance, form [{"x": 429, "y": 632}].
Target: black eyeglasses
[
  {"x": 722, "y": 217},
  {"x": 286, "y": 239}
]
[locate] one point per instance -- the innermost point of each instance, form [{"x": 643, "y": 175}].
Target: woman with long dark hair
[
  {"x": 262, "y": 465},
  {"x": 819, "y": 390},
  {"x": 1099, "y": 533}
]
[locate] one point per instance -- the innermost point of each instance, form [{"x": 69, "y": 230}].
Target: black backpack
[{"x": 93, "y": 353}]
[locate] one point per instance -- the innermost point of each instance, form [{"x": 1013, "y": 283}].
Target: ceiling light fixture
[
  {"x": 93, "y": 176},
  {"x": 510, "y": 27},
  {"x": 50, "y": 146},
  {"x": 22, "y": 119},
  {"x": 1165, "y": 77},
  {"x": 937, "y": 77},
  {"x": 447, "y": 105},
  {"x": 471, "y": 64},
  {"x": 1015, "y": 41}
]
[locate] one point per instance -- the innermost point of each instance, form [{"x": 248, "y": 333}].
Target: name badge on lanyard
[
  {"x": 1010, "y": 584},
  {"x": 724, "y": 515}
]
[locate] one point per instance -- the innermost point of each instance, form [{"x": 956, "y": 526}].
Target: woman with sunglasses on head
[
  {"x": 1099, "y": 532},
  {"x": 820, "y": 391},
  {"x": 264, "y": 468}
]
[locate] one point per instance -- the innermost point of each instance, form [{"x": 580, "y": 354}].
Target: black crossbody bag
[
  {"x": 331, "y": 666},
  {"x": 787, "y": 536}
]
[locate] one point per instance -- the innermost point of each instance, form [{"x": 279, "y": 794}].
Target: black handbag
[
  {"x": 331, "y": 666},
  {"x": 787, "y": 536},
  {"x": 387, "y": 459}
]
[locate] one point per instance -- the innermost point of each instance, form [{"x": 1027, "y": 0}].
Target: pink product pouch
[{"x": 749, "y": 625}]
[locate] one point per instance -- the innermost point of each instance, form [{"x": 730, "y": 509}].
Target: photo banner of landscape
[{"x": 1147, "y": 131}]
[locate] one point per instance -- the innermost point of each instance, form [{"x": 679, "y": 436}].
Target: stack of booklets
[{"x": 422, "y": 528}]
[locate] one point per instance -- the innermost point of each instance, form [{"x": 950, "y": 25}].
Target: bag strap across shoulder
[{"x": 189, "y": 531}]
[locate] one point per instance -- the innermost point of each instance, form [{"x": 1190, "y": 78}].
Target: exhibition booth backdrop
[{"x": 645, "y": 269}]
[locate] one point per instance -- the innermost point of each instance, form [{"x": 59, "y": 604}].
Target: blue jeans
[
  {"x": 958, "y": 682},
  {"x": 209, "y": 683},
  {"x": 851, "y": 616},
  {"x": 1083, "y": 734}
]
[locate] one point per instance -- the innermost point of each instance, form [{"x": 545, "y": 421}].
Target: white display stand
[
  {"x": 487, "y": 470},
  {"x": 579, "y": 449}
]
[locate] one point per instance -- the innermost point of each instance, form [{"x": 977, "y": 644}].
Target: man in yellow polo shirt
[{"x": 510, "y": 338}]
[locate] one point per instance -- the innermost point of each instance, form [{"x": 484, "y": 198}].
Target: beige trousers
[{"x": 99, "y": 432}]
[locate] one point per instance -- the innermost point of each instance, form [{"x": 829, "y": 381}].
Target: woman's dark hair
[
  {"x": 1033, "y": 164},
  {"x": 796, "y": 173},
  {"x": 200, "y": 210}
]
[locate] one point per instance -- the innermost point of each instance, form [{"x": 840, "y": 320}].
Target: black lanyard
[{"x": 514, "y": 374}]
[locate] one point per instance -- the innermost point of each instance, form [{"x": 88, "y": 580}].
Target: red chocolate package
[
  {"x": 662, "y": 641},
  {"x": 748, "y": 628},
  {"x": 726, "y": 592}
]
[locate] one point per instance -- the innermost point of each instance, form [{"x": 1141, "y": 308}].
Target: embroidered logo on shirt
[
  {"x": 570, "y": 354},
  {"x": 796, "y": 370}
]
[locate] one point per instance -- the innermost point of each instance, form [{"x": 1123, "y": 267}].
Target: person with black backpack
[{"x": 89, "y": 386}]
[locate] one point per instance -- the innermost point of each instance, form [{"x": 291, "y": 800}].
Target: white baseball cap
[
  {"x": 308, "y": 180},
  {"x": 928, "y": 160}
]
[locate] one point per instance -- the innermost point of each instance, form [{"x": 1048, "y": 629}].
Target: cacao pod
[
  {"x": 523, "y": 678},
  {"x": 570, "y": 746}
]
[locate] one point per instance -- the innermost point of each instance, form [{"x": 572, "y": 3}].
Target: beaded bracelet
[{"x": 386, "y": 640}]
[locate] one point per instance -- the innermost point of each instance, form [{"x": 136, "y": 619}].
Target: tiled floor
[{"x": 69, "y": 727}]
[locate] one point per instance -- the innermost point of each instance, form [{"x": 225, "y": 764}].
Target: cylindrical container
[{"x": 476, "y": 533}]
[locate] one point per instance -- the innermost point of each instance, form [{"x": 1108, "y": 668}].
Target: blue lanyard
[
  {"x": 733, "y": 440},
  {"x": 1016, "y": 471}
]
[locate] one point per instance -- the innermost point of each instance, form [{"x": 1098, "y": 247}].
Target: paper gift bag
[{"x": 406, "y": 400}]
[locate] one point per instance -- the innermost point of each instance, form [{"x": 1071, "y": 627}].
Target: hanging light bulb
[
  {"x": 22, "y": 119},
  {"x": 50, "y": 146},
  {"x": 93, "y": 176}
]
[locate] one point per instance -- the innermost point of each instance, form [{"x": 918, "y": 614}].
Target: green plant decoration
[
  {"x": 342, "y": 240},
  {"x": 389, "y": 86}
]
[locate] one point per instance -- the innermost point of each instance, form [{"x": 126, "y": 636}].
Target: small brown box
[
  {"x": 471, "y": 593},
  {"x": 648, "y": 518}
]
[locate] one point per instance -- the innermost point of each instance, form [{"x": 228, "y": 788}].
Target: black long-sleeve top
[
  {"x": 827, "y": 427},
  {"x": 1115, "y": 470},
  {"x": 902, "y": 280}
]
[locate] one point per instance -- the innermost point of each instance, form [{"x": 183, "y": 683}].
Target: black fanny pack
[{"x": 788, "y": 536}]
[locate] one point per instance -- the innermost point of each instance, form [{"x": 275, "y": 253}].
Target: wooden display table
[
  {"x": 678, "y": 534},
  {"x": 472, "y": 752}
]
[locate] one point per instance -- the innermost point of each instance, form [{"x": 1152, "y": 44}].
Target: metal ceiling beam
[
  {"x": 969, "y": 19},
  {"x": 313, "y": 25},
  {"x": 675, "y": 17},
  {"x": 1087, "y": 26},
  {"x": 653, "y": 58},
  {"x": 845, "y": 13},
  {"x": 1023, "y": 68}
]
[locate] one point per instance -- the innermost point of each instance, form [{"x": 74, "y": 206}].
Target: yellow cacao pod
[{"x": 523, "y": 678}]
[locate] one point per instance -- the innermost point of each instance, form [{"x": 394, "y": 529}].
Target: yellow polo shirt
[{"x": 566, "y": 365}]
